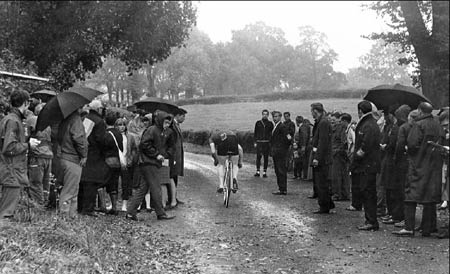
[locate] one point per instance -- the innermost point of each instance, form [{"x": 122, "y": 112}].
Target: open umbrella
[
  {"x": 151, "y": 104},
  {"x": 44, "y": 95},
  {"x": 384, "y": 96},
  {"x": 64, "y": 104}
]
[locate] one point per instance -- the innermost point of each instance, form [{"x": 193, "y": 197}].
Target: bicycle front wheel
[{"x": 229, "y": 184}]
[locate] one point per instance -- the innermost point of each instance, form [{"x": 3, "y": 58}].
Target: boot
[{"x": 113, "y": 210}]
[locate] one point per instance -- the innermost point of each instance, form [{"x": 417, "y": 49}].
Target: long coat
[
  {"x": 322, "y": 141},
  {"x": 388, "y": 168},
  {"x": 425, "y": 163},
  {"x": 13, "y": 150},
  {"x": 95, "y": 171},
  {"x": 177, "y": 161}
]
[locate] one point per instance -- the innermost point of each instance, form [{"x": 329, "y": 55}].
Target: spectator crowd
[{"x": 385, "y": 163}]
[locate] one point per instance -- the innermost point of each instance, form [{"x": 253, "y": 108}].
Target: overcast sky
[{"x": 342, "y": 21}]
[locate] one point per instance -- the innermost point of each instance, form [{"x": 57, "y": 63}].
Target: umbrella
[
  {"x": 151, "y": 104},
  {"x": 64, "y": 104},
  {"x": 44, "y": 95},
  {"x": 384, "y": 96}
]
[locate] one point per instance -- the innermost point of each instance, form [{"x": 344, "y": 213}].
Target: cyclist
[{"x": 224, "y": 144}]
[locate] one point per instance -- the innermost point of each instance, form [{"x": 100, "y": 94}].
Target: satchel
[
  {"x": 112, "y": 162},
  {"x": 123, "y": 163}
]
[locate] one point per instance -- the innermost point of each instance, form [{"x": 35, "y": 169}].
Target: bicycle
[{"x": 227, "y": 180}]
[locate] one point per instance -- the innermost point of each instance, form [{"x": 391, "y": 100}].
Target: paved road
[{"x": 263, "y": 233}]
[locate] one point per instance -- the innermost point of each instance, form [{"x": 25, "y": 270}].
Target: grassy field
[{"x": 242, "y": 116}]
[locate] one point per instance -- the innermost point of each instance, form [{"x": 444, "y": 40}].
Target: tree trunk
[
  {"x": 435, "y": 85},
  {"x": 151, "y": 82}
]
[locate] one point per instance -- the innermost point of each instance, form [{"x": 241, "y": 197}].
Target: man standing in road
[
  {"x": 366, "y": 165},
  {"x": 262, "y": 135},
  {"x": 322, "y": 157},
  {"x": 280, "y": 142},
  {"x": 13, "y": 154},
  {"x": 290, "y": 125}
]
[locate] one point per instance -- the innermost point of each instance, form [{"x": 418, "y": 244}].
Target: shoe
[
  {"x": 220, "y": 190},
  {"x": 165, "y": 217},
  {"x": 388, "y": 222},
  {"x": 264, "y": 175},
  {"x": 351, "y": 208},
  {"x": 332, "y": 205},
  {"x": 387, "y": 217},
  {"x": 257, "y": 174},
  {"x": 131, "y": 217},
  {"x": 235, "y": 185},
  {"x": 312, "y": 197},
  {"x": 381, "y": 214},
  {"x": 335, "y": 198},
  {"x": 321, "y": 212},
  {"x": 149, "y": 210},
  {"x": 443, "y": 206},
  {"x": 180, "y": 202},
  {"x": 404, "y": 232},
  {"x": 294, "y": 178},
  {"x": 400, "y": 224},
  {"x": 279, "y": 193},
  {"x": 443, "y": 235},
  {"x": 368, "y": 227},
  {"x": 170, "y": 207}
]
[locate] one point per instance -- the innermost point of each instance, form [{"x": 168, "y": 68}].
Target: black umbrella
[
  {"x": 384, "y": 96},
  {"x": 64, "y": 104},
  {"x": 44, "y": 95},
  {"x": 152, "y": 104}
]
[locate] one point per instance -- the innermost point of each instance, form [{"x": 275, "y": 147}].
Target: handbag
[{"x": 113, "y": 162}]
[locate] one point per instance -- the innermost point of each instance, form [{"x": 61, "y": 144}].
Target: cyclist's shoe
[
  {"x": 220, "y": 190},
  {"x": 235, "y": 186},
  {"x": 264, "y": 175},
  {"x": 257, "y": 174}
]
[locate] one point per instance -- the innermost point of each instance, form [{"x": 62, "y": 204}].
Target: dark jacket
[
  {"x": 72, "y": 142},
  {"x": 339, "y": 142},
  {"x": 110, "y": 147},
  {"x": 388, "y": 168},
  {"x": 279, "y": 142},
  {"x": 367, "y": 138},
  {"x": 290, "y": 127},
  {"x": 96, "y": 169},
  {"x": 151, "y": 144},
  {"x": 322, "y": 141},
  {"x": 263, "y": 131},
  {"x": 304, "y": 133},
  {"x": 425, "y": 163},
  {"x": 177, "y": 161},
  {"x": 13, "y": 156}
]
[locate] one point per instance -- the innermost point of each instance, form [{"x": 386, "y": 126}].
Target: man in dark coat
[
  {"x": 177, "y": 161},
  {"x": 322, "y": 158},
  {"x": 366, "y": 165},
  {"x": 262, "y": 135},
  {"x": 13, "y": 154},
  {"x": 290, "y": 125},
  {"x": 280, "y": 142},
  {"x": 424, "y": 173},
  {"x": 304, "y": 133},
  {"x": 94, "y": 173},
  {"x": 340, "y": 184},
  {"x": 151, "y": 159}
]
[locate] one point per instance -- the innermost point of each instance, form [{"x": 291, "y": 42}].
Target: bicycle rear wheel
[{"x": 225, "y": 186}]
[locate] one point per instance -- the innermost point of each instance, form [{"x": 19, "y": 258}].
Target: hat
[{"x": 317, "y": 106}]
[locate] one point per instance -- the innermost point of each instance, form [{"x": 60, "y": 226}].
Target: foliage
[
  {"x": 65, "y": 39},
  {"x": 379, "y": 66},
  {"x": 421, "y": 29}
]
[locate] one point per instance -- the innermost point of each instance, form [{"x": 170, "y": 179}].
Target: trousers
[
  {"x": 429, "y": 217},
  {"x": 68, "y": 200},
  {"x": 323, "y": 187},
  {"x": 279, "y": 162},
  {"x": 9, "y": 200},
  {"x": 150, "y": 181},
  {"x": 39, "y": 176},
  {"x": 367, "y": 183},
  {"x": 262, "y": 150}
]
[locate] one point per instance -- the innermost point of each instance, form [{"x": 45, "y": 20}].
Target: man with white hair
[{"x": 94, "y": 173}]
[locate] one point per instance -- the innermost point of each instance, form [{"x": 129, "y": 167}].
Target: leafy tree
[
  {"x": 421, "y": 29},
  {"x": 66, "y": 39}
]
